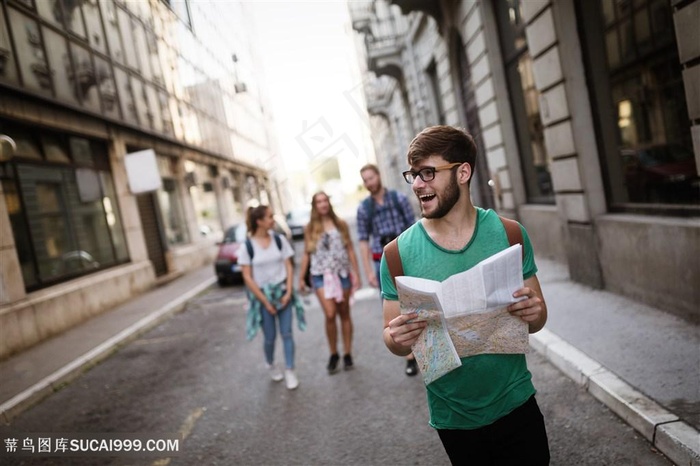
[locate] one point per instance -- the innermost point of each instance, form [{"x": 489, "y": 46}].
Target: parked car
[
  {"x": 297, "y": 220},
  {"x": 661, "y": 173},
  {"x": 226, "y": 264}
]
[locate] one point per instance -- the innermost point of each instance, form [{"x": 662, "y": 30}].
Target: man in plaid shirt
[{"x": 381, "y": 217}]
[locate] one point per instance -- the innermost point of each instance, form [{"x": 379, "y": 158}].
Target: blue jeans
[
  {"x": 270, "y": 333},
  {"x": 317, "y": 282}
]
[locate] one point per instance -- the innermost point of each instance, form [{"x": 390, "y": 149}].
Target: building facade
[
  {"x": 132, "y": 134},
  {"x": 587, "y": 119}
]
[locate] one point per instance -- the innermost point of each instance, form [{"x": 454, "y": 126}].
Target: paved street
[{"x": 198, "y": 376}]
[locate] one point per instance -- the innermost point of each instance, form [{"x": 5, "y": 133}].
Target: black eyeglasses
[{"x": 427, "y": 173}]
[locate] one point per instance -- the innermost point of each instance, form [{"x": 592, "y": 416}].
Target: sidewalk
[{"x": 642, "y": 363}]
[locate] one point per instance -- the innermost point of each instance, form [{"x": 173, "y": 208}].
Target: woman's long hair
[
  {"x": 314, "y": 229},
  {"x": 255, "y": 214}
]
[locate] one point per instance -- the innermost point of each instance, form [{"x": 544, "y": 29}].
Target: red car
[{"x": 226, "y": 264}]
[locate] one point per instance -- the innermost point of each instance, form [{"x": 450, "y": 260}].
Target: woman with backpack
[
  {"x": 334, "y": 274},
  {"x": 266, "y": 265}
]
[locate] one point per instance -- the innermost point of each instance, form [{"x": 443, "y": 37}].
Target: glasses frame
[{"x": 427, "y": 173}]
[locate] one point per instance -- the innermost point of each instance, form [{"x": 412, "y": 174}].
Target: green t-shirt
[{"x": 487, "y": 386}]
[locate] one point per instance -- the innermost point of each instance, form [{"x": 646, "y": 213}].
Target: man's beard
[{"x": 446, "y": 200}]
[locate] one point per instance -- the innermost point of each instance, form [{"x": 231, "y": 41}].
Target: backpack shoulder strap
[
  {"x": 394, "y": 197},
  {"x": 393, "y": 259},
  {"x": 249, "y": 247},
  {"x": 278, "y": 241},
  {"x": 369, "y": 208},
  {"x": 513, "y": 232}
]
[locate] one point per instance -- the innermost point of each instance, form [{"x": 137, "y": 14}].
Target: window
[
  {"x": 170, "y": 202},
  {"x": 204, "y": 198},
  {"x": 434, "y": 92},
  {"x": 62, "y": 207},
  {"x": 524, "y": 103},
  {"x": 640, "y": 107},
  {"x": 30, "y": 52},
  {"x": 8, "y": 72},
  {"x": 182, "y": 10}
]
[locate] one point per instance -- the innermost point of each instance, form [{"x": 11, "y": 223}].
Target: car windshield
[
  {"x": 299, "y": 217},
  {"x": 235, "y": 234}
]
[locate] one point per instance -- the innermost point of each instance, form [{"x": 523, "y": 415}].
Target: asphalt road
[{"x": 197, "y": 376}]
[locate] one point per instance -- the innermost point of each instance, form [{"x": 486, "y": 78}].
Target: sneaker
[
  {"x": 275, "y": 373},
  {"x": 333, "y": 363},
  {"x": 291, "y": 379},
  {"x": 347, "y": 362},
  {"x": 411, "y": 367}
]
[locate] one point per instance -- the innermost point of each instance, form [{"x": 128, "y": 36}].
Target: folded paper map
[{"x": 466, "y": 313}]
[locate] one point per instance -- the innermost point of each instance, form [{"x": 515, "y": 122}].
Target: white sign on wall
[{"x": 142, "y": 171}]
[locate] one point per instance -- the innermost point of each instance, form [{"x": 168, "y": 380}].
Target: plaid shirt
[{"x": 389, "y": 219}]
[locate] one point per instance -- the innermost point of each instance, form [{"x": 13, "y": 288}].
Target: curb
[
  {"x": 63, "y": 376},
  {"x": 676, "y": 439}
]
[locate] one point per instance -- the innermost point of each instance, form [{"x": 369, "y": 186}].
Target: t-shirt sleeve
[
  {"x": 388, "y": 288},
  {"x": 529, "y": 266},
  {"x": 243, "y": 256},
  {"x": 287, "y": 249}
]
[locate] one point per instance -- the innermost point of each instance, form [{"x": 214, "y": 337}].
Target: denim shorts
[{"x": 317, "y": 282}]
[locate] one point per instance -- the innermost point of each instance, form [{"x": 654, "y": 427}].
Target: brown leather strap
[
  {"x": 393, "y": 259},
  {"x": 513, "y": 231}
]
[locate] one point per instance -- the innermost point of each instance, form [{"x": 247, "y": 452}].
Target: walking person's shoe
[
  {"x": 347, "y": 362},
  {"x": 411, "y": 367},
  {"x": 333, "y": 363},
  {"x": 275, "y": 373},
  {"x": 291, "y": 379}
]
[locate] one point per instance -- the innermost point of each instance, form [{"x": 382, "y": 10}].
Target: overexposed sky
[{"x": 313, "y": 82}]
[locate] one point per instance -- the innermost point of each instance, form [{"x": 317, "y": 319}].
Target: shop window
[
  {"x": 524, "y": 103},
  {"x": 171, "y": 208},
  {"x": 640, "y": 108},
  {"x": 204, "y": 200},
  {"x": 170, "y": 203},
  {"x": 20, "y": 229},
  {"x": 55, "y": 148},
  {"x": 81, "y": 151},
  {"x": 65, "y": 218}
]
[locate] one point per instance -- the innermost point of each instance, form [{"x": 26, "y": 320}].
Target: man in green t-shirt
[{"x": 484, "y": 411}]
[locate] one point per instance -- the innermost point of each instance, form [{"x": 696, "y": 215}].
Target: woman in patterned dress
[{"x": 328, "y": 250}]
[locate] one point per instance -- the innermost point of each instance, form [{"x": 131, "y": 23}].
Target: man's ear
[{"x": 464, "y": 173}]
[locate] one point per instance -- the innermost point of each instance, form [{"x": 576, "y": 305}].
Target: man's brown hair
[
  {"x": 370, "y": 166},
  {"x": 453, "y": 144}
]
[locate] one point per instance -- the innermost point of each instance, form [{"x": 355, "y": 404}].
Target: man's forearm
[{"x": 366, "y": 257}]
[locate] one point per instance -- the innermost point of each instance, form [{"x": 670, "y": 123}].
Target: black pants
[{"x": 519, "y": 438}]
